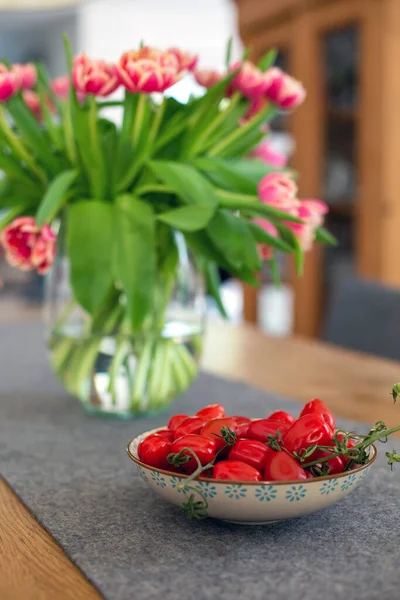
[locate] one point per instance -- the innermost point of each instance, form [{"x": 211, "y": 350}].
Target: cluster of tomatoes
[{"x": 269, "y": 449}]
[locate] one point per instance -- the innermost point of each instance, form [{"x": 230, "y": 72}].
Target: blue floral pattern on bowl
[
  {"x": 235, "y": 492},
  {"x": 266, "y": 493},
  {"x": 142, "y": 474},
  {"x": 208, "y": 489},
  {"x": 158, "y": 479},
  {"x": 348, "y": 482},
  {"x": 175, "y": 482},
  {"x": 296, "y": 493},
  {"x": 328, "y": 486}
]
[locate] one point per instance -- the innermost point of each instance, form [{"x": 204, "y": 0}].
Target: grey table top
[{"x": 72, "y": 472}]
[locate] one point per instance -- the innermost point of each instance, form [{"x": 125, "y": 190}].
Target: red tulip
[
  {"x": 265, "y": 153},
  {"x": 283, "y": 90},
  {"x": 27, "y": 75},
  {"x": 279, "y": 190},
  {"x": 186, "y": 61},
  {"x": 207, "y": 78},
  {"x": 148, "y": 70},
  {"x": 256, "y": 105},
  {"x": 250, "y": 80},
  {"x": 10, "y": 83},
  {"x": 60, "y": 87},
  {"x": 32, "y": 101},
  {"x": 94, "y": 76},
  {"x": 312, "y": 213},
  {"x": 28, "y": 246}
]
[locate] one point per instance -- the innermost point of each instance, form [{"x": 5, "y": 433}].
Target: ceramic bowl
[{"x": 252, "y": 503}]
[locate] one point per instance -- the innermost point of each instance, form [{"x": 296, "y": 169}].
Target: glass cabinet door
[{"x": 340, "y": 96}]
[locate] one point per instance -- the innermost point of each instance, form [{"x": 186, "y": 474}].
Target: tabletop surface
[{"x": 355, "y": 386}]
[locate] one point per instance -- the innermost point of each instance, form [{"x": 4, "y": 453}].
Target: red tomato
[
  {"x": 282, "y": 416},
  {"x": 307, "y": 431},
  {"x": 175, "y": 421},
  {"x": 212, "y": 411},
  {"x": 203, "y": 447},
  {"x": 212, "y": 429},
  {"x": 252, "y": 452},
  {"x": 280, "y": 466},
  {"x": 336, "y": 463},
  {"x": 166, "y": 434},
  {"x": 243, "y": 425},
  {"x": 262, "y": 428},
  {"x": 153, "y": 451},
  {"x": 318, "y": 407},
  {"x": 236, "y": 471},
  {"x": 309, "y": 475},
  {"x": 189, "y": 425}
]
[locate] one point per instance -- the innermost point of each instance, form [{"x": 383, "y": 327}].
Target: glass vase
[{"x": 111, "y": 371}]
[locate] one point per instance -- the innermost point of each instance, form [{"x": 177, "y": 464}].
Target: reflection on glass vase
[{"x": 110, "y": 370}]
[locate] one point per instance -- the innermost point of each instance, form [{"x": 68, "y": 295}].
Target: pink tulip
[
  {"x": 207, "y": 78},
  {"x": 279, "y": 190},
  {"x": 60, "y": 87},
  {"x": 32, "y": 101},
  {"x": 283, "y": 90},
  {"x": 27, "y": 75},
  {"x": 312, "y": 213},
  {"x": 94, "y": 76},
  {"x": 186, "y": 61},
  {"x": 9, "y": 83},
  {"x": 250, "y": 81},
  {"x": 266, "y": 251},
  {"x": 28, "y": 246},
  {"x": 265, "y": 153},
  {"x": 148, "y": 70}
]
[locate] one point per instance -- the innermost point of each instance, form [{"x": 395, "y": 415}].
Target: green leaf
[
  {"x": 188, "y": 218},
  {"x": 32, "y": 133},
  {"x": 268, "y": 59},
  {"x": 253, "y": 168},
  {"x": 289, "y": 237},
  {"x": 232, "y": 236},
  {"x": 213, "y": 283},
  {"x": 223, "y": 173},
  {"x": 202, "y": 244},
  {"x": 228, "y": 52},
  {"x": 135, "y": 260},
  {"x": 12, "y": 167},
  {"x": 187, "y": 183},
  {"x": 90, "y": 234},
  {"x": 245, "y": 133},
  {"x": 323, "y": 236},
  {"x": 55, "y": 196},
  {"x": 263, "y": 237},
  {"x": 242, "y": 146},
  {"x": 253, "y": 206}
]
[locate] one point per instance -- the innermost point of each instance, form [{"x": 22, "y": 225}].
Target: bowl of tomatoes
[{"x": 253, "y": 471}]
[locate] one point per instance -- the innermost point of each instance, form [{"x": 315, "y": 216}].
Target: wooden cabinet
[{"x": 346, "y": 52}]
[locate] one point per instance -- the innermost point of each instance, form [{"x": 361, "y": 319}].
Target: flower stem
[
  {"x": 240, "y": 132},
  {"x": 204, "y": 139}
]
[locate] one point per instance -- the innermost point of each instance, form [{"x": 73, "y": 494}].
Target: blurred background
[{"x": 344, "y": 140}]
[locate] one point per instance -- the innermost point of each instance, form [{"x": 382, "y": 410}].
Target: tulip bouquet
[{"x": 118, "y": 201}]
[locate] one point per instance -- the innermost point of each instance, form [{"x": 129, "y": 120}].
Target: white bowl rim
[{"x": 247, "y": 483}]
